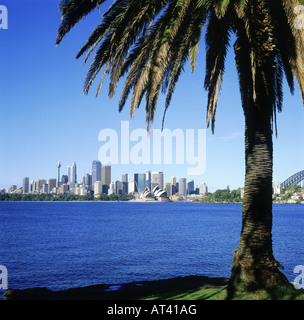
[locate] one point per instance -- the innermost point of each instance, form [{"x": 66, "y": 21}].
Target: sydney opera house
[{"x": 157, "y": 194}]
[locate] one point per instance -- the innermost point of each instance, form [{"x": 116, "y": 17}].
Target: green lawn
[{"x": 222, "y": 293}]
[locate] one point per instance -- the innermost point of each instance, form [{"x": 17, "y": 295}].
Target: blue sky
[{"x": 45, "y": 117}]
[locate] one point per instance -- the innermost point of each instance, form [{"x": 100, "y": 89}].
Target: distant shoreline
[{"x": 132, "y": 201}]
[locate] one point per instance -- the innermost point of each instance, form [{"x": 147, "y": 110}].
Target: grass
[
  {"x": 182, "y": 288},
  {"x": 222, "y": 293}
]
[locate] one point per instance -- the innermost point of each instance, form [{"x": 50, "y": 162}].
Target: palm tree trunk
[{"x": 253, "y": 261}]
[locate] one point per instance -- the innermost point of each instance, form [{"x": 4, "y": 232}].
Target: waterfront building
[
  {"x": 124, "y": 181},
  {"x": 25, "y": 185},
  {"x": 32, "y": 186},
  {"x": 83, "y": 191},
  {"x": 203, "y": 189},
  {"x": 182, "y": 186},
  {"x": 191, "y": 187},
  {"x": 277, "y": 190},
  {"x": 124, "y": 177},
  {"x": 97, "y": 188},
  {"x": 157, "y": 179},
  {"x": 111, "y": 189},
  {"x": 12, "y": 188},
  {"x": 118, "y": 187},
  {"x": 96, "y": 171},
  {"x": 87, "y": 181},
  {"x": 64, "y": 179},
  {"x": 64, "y": 188},
  {"x": 148, "y": 180},
  {"x": 39, "y": 184},
  {"x": 156, "y": 194},
  {"x": 105, "y": 189},
  {"x": 45, "y": 188},
  {"x": 51, "y": 184},
  {"x": 106, "y": 175},
  {"x": 131, "y": 187},
  {"x": 168, "y": 188},
  {"x": 173, "y": 180},
  {"x": 140, "y": 182},
  {"x": 72, "y": 174},
  {"x": 174, "y": 186}
]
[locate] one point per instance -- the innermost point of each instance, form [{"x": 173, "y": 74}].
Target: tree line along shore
[{"x": 293, "y": 194}]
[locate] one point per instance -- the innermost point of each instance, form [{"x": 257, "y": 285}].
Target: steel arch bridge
[{"x": 294, "y": 180}]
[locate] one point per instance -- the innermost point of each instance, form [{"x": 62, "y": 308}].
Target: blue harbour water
[{"x": 65, "y": 245}]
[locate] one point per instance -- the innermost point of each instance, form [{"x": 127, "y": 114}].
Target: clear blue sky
[{"x": 45, "y": 117}]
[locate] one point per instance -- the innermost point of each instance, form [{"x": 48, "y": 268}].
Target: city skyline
[
  {"x": 46, "y": 117},
  {"x": 141, "y": 180}
]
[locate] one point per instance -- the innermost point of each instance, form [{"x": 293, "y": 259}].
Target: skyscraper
[
  {"x": 124, "y": 177},
  {"x": 174, "y": 186},
  {"x": 168, "y": 188},
  {"x": 25, "y": 184},
  {"x": 96, "y": 172},
  {"x": 124, "y": 181},
  {"x": 106, "y": 175},
  {"x": 64, "y": 179},
  {"x": 157, "y": 179},
  {"x": 140, "y": 182},
  {"x": 148, "y": 179},
  {"x": 203, "y": 189},
  {"x": 191, "y": 187},
  {"x": 87, "y": 181},
  {"x": 72, "y": 174},
  {"x": 97, "y": 187},
  {"x": 39, "y": 184},
  {"x": 182, "y": 186},
  {"x": 51, "y": 185}
]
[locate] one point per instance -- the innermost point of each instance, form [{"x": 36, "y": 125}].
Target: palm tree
[{"x": 148, "y": 44}]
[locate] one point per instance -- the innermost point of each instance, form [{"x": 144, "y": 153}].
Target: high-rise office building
[
  {"x": 203, "y": 189},
  {"x": 131, "y": 187},
  {"x": 39, "y": 184},
  {"x": 182, "y": 186},
  {"x": 64, "y": 188},
  {"x": 157, "y": 179},
  {"x": 148, "y": 179},
  {"x": 124, "y": 177},
  {"x": 87, "y": 181},
  {"x": 124, "y": 181},
  {"x": 64, "y": 179},
  {"x": 32, "y": 186},
  {"x": 140, "y": 182},
  {"x": 118, "y": 187},
  {"x": 26, "y": 184},
  {"x": 97, "y": 187},
  {"x": 106, "y": 175},
  {"x": 51, "y": 185},
  {"x": 168, "y": 188},
  {"x": 174, "y": 186},
  {"x": 96, "y": 171},
  {"x": 191, "y": 187},
  {"x": 72, "y": 174},
  {"x": 45, "y": 188}
]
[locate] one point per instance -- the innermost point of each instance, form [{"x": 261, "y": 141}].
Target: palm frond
[
  {"x": 72, "y": 11},
  {"x": 285, "y": 42},
  {"x": 297, "y": 62},
  {"x": 217, "y": 42}
]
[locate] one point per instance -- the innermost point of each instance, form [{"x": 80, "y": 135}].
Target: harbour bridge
[{"x": 294, "y": 179}]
